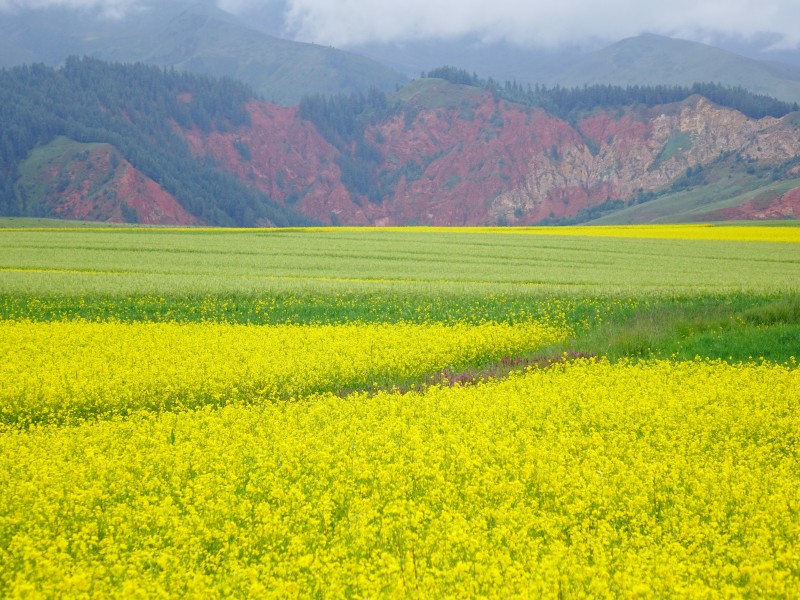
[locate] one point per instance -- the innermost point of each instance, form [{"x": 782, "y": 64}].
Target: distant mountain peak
[
  {"x": 652, "y": 59},
  {"x": 195, "y": 36}
]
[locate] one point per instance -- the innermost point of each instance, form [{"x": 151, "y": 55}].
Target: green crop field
[
  {"x": 571, "y": 412},
  {"x": 636, "y": 295},
  {"x": 136, "y": 261}
]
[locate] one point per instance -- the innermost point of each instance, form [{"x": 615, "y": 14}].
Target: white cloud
[
  {"x": 237, "y": 6},
  {"x": 536, "y": 22},
  {"x": 529, "y": 22}
]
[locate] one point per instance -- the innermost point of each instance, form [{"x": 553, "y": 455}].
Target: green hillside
[
  {"x": 656, "y": 60},
  {"x": 206, "y": 40},
  {"x": 124, "y": 106},
  {"x": 57, "y": 156},
  {"x": 194, "y": 37},
  {"x": 727, "y": 185}
]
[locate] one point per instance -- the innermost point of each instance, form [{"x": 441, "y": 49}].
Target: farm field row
[
  {"x": 64, "y": 372},
  {"x": 657, "y": 478},
  {"x": 411, "y": 413},
  {"x": 155, "y": 261}
]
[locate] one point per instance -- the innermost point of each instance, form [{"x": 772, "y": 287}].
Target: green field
[
  {"x": 623, "y": 295},
  {"x": 152, "y": 261},
  {"x": 696, "y": 204}
]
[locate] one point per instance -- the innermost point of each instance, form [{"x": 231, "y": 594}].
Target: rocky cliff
[
  {"x": 445, "y": 154},
  {"x": 487, "y": 161},
  {"x": 94, "y": 182}
]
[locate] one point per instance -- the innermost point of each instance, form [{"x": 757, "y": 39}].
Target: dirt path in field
[{"x": 499, "y": 370}]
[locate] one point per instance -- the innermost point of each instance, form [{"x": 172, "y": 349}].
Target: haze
[{"x": 523, "y": 22}]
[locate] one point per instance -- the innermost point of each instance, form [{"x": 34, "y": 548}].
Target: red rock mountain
[
  {"x": 454, "y": 155},
  {"x": 93, "y": 182},
  {"x": 487, "y": 161}
]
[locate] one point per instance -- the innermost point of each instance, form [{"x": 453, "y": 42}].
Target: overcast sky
[{"x": 529, "y": 22}]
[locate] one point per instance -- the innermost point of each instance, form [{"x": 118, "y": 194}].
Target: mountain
[
  {"x": 103, "y": 141},
  {"x": 643, "y": 60},
  {"x": 531, "y": 64},
  {"x": 197, "y": 36},
  {"x": 90, "y": 182},
  {"x": 193, "y": 37},
  {"x": 656, "y": 60},
  {"x": 129, "y": 114},
  {"x": 454, "y": 154},
  {"x": 204, "y": 39},
  {"x": 499, "y": 60}
]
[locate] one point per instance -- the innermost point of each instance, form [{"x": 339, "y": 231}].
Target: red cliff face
[
  {"x": 99, "y": 185},
  {"x": 153, "y": 206},
  {"x": 283, "y": 156},
  {"x": 467, "y": 163},
  {"x": 488, "y": 161}
]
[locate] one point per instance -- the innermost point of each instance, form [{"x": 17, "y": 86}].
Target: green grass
[
  {"x": 427, "y": 93},
  {"x": 728, "y": 187},
  {"x": 306, "y": 308},
  {"x": 679, "y": 142},
  {"x": 48, "y": 223},
  {"x": 738, "y": 327}
]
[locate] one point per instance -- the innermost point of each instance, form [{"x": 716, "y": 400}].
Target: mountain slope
[
  {"x": 139, "y": 110},
  {"x": 656, "y": 60},
  {"x": 93, "y": 182},
  {"x": 734, "y": 196},
  {"x": 196, "y": 37},
  {"x": 99, "y": 141},
  {"x": 206, "y": 40},
  {"x": 456, "y": 155}
]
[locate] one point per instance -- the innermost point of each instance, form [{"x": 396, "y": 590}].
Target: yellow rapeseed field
[
  {"x": 683, "y": 231},
  {"x": 694, "y": 231},
  {"x": 588, "y": 479},
  {"x": 153, "y": 445},
  {"x": 68, "y": 370}
]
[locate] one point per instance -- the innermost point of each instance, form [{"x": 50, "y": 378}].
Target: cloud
[
  {"x": 114, "y": 9},
  {"x": 526, "y": 22},
  {"x": 533, "y": 22},
  {"x": 238, "y": 6}
]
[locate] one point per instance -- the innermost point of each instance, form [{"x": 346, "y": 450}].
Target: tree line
[
  {"x": 569, "y": 102},
  {"x": 343, "y": 120}
]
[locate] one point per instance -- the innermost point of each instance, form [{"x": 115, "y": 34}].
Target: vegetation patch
[
  {"x": 497, "y": 370},
  {"x": 677, "y": 143}
]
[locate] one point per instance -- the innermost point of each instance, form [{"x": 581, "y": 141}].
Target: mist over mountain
[
  {"x": 196, "y": 37},
  {"x": 765, "y": 47},
  {"x": 500, "y": 60},
  {"x": 250, "y": 41},
  {"x": 527, "y": 23}
]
